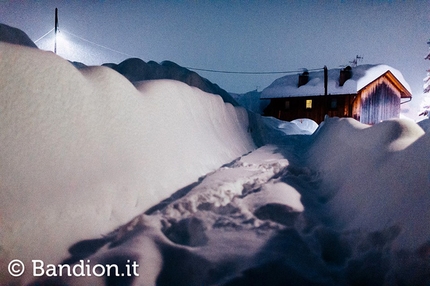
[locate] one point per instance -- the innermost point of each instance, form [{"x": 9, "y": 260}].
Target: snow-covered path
[
  {"x": 270, "y": 217},
  {"x": 223, "y": 225}
]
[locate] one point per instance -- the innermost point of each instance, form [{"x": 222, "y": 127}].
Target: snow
[
  {"x": 303, "y": 126},
  {"x": 251, "y": 101},
  {"x": 13, "y": 35},
  {"x": 374, "y": 179},
  {"x": 362, "y": 75},
  {"x": 198, "y": 191},
  {"x": 136, "y": 70},
  {"x": 308, "y": 211},
  {"x": 425, "y": 124},
  {"x": 86, "y": 151}
]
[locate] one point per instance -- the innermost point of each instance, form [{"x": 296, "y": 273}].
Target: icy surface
[{"x": 95, "y": 168}]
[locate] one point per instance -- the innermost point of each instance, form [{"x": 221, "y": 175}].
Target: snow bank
[
  {"x": 425, "y": 124},
  {"x": 135, "y": 69},
  {"x": 13, "y": 35},
  {"x": 299, "y": 126},
  {"x": 375, "y": 177},
  {"x": 83, "y": 151}
]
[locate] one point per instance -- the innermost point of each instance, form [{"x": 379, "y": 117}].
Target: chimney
[
  {"x": 345, "y": 74},
  {"x": 325, "y": 80},
  {"x": 303, "y": 78}
]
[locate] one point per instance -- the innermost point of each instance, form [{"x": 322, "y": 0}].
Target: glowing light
[{"x": 65, "y": 47}]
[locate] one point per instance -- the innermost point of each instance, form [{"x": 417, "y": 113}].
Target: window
[
  {"x": 333, "y": 103},
  {"x": 287, "y": 104},
  {"x": 308, "y": 103}
]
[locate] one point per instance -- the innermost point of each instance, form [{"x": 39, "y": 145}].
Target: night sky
[{"x": 253, "y": 36}]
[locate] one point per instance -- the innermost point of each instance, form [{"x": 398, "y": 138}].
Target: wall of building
[
  {"x": 379, "y": 101},
  {"x": 312, "y": 107}
]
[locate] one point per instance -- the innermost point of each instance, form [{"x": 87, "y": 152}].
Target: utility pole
[
  {"x": 325, "y": 80},
  {"x": 56, "y": 29}
]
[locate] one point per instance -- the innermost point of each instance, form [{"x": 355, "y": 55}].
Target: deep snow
[
  {"x": 200, "y": 192},
  {"x": 297, "y": 213},
  {"x": 83, "y": 151}
]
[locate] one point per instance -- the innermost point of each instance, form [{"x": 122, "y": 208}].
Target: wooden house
[{"x": 368, "y": 93}]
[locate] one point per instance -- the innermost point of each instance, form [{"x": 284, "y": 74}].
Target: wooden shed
[{"x": 368, "y": 93}]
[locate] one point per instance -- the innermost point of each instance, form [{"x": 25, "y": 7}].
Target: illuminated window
[{"x": 308, "y": 103}]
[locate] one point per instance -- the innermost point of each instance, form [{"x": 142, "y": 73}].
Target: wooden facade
[
  {"x": 376, "y": 101},
  {"x": 379, "y": 100},
  {"x": 312, "y": 107}
]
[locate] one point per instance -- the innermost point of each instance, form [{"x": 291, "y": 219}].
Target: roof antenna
[
  {"x": 354, "y": 62},
  {"x": 56, "y": 29}
]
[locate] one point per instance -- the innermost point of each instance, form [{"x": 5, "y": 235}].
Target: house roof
[{"x": 362, "y": 76}]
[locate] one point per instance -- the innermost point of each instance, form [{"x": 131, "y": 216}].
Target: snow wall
[{"x": 84, "y": 151}]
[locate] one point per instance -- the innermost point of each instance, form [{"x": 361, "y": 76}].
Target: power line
[
  {"x": 190, "y": 68},
  {"x": 44, "y": 35},
  {"x": 101, "y": 46},
  {"x": 249, "y": 72}
]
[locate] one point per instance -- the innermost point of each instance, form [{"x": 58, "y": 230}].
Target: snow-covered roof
[{"x": 362, "y": 75}]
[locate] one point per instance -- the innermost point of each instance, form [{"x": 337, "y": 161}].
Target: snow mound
[
  {"x": 135, "y": 69},
  {"x": 373, "y": 177},
  {"x": 298, "y": 126},
  {"x": 84, "y": 151},
  {"x": 15, "y": 36},
  {"x": 425, "y": 124},
  {"x": 306, "y": 124}
]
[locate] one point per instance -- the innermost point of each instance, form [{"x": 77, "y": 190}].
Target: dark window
[{"x": 333, "y": 103}]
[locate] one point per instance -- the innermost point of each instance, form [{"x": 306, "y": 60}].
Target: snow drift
[
  {"x": 345, "y": 206},
  {"x": 135, "y": 69},
  {"x": 13, "y": 35},
  {"x": 375, "y": 177},
  {"x": 83, "y": 151}
]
